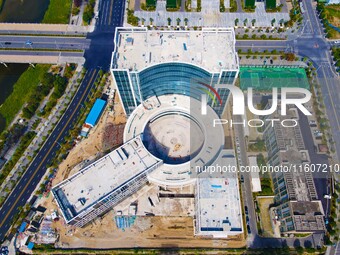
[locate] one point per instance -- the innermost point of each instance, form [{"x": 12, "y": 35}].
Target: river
[{"x": 23, "y": 11}]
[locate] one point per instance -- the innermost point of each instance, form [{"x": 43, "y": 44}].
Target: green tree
[
  {"x": 186, "y": 21},
  {"x": 273, "y": 22}
]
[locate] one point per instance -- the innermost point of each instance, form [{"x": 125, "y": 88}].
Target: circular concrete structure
[
  {"x": 174, "y": 131},
  {"x": 167, "y": 137}
]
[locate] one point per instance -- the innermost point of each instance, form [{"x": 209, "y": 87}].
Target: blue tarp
[
  {"x": 95, "y": 112},
  {"x": 30, "y": 245},
  {"x": 22, "y": 227}
]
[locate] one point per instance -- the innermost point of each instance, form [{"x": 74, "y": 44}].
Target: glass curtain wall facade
[{"x": 171, "y": 78}]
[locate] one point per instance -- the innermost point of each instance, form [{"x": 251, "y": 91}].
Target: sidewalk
[
  {"x": 260, "y": 62},
  {"x": 63, "y": 29}
]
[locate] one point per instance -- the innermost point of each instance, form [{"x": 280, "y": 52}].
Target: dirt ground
[
  {"x": 155, "y": 231},
  {"x": 131, "y": 5},
  {"x": 94, "y": 146},
  {"x": 174, "y": 228},
  {"x": 264, "y": 204}
]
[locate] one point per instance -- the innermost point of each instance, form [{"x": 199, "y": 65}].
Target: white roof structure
[
  {"x": 211, "y": 48},
  {"x": 218, "y": 205},
  {"x": 94, "y": 182},
  {"x": 175, "y": 105},
  {"x": 254, "y": 175}
]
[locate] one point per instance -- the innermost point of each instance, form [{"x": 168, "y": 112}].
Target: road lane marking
[
  {"x": 106, "y": 11},
  {"x": 110, "y": 12},
  {"x": 311, "y": 26},
  {"x": 33, "y": 175}
]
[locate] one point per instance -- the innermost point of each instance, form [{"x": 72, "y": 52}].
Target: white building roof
[
  {"x": 212, "y": 48},
  {"x": 98, "y": 179},
  {"x": 254, "y": 175},
  {"x": 218, "y": 201}
]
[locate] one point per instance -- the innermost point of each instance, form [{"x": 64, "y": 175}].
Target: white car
[
  {"x": 327, "y": 196},
  {"x": 336, "y": 42}
]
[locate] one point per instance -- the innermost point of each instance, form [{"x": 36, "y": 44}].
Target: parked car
[{"x": 248, "y": 229}]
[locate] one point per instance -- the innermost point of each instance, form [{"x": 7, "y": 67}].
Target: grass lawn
[
  {"x": 250, "y": 3},
  {"x": 151, "y": 3},
  {"x": 270, "y": 4},
  {"x": 331, "y": 16},
  {"x": 22, "y": 90},
  {"x": 58, "y": 12},
  {"x": 1, "y": 4}
]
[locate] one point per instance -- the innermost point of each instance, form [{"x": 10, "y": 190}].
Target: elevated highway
[
  {"x": 43, "y": 49},
  {"x": 44, "y": 42}
]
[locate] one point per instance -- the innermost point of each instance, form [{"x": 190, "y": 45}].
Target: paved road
[
  {"x": 98, "y": 55},
  {"x": 239, "y": 6},
  {"x": 44, "y": 42},
  {"x": 247, "y": 194}
]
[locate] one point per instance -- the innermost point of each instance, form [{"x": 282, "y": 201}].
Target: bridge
[{"x": 42, "y": 48}]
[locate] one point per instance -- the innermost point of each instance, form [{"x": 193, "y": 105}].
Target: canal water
[
  {"x": 8, "y": 76},
  {"x": 17, "y": 11},
  {"x": 23, "y": 11}
]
